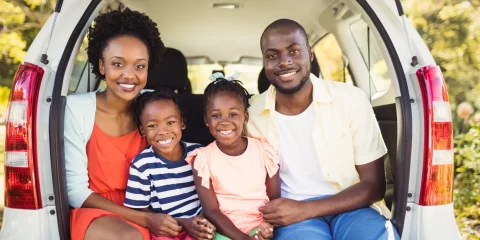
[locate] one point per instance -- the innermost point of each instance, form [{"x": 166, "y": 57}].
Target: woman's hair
[
  {"x": 160, "y": 94},
  {"x": 118, "y": 23},
  {"x": 226, "y": 85}
]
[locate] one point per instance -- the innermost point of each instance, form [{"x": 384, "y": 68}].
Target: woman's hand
[
  {"x": 198, "y": 227},
  {"x": 163, "y": 225}
]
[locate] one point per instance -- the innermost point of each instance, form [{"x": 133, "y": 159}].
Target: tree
[
  {"x": 451, "y": 30},
  {"x": 20, "y": 21}
]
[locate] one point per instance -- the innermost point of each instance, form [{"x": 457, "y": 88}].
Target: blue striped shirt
[{"x": 162, "y": 185}]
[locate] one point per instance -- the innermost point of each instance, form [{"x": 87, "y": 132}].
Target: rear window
[
  {"x": 331, "y": 60},
  {"x": 199, "y": 74},
  {"x": 378, "y": 67}
]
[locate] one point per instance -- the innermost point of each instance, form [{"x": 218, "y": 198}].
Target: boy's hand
[
  {"x": 163, "y": 225},
  {"x": 265, "y": 231},
  {"x": 199, "y": 228}
]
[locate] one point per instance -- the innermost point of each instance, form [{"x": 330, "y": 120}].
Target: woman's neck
[{"x": 115, "y": 105}]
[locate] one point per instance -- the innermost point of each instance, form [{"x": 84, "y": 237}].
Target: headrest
[{"x": 171, "y": 72}]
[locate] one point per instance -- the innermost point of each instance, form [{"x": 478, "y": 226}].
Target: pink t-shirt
[{"x": 238, "y": 181}]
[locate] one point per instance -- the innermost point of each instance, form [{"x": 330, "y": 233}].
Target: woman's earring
[{"x": 206, "y": 124}]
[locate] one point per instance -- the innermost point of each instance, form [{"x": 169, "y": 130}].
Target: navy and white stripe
[{"x": 162, "y": 185}]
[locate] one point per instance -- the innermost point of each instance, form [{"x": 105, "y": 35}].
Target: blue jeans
[{"x": 364, "y": 223}]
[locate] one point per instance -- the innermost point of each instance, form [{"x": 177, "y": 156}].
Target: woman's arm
[
  {"x": 211, "y": 210},
  {"x": 273, "y": 186}
]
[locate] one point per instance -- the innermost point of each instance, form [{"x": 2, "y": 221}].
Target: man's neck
[{"x": 294, "y": 104}]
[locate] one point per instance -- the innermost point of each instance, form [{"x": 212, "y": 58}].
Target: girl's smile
[{"x": 225, "y": 117}]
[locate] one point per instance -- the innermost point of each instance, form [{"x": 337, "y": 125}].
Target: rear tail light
[
  {"x": 21, "y": 171},
  {"x": 437, "y": 175}
]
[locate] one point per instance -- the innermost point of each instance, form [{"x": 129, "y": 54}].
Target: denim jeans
[{"x": 363, "y": 223}]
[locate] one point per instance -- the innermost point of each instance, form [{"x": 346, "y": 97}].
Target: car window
[
  {"x": 378, "y": 67},
  {"x": 199, "y": 74},
  {"x": 329, "y": 57},
  {"x": 79, "y": 68}
]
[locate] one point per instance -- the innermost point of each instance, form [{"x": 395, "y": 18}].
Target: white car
[{"x": 370, "y": 44}]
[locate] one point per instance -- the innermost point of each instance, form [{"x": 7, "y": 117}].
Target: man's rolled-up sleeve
[{"x": 366, "y": 135}]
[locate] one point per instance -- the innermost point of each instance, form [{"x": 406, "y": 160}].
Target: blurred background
[{"x": 450, "y": 28}]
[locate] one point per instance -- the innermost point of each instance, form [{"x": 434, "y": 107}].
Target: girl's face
[
  {"x": 162, "y": 125},
  {"x": 124, "y": 64},
  {"x": 225, "y": 117}
]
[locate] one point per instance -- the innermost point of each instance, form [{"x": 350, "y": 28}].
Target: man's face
[{"x": 286, "y": 58}]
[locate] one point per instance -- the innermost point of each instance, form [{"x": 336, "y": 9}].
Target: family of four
[{"x": 303, "y": 160}]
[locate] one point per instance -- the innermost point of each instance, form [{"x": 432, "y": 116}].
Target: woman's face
[{"x": 124, "y": 64}]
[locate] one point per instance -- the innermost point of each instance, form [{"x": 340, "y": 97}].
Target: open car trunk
[{"x": 231, "y": 37}]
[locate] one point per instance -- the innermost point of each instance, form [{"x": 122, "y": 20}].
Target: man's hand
[
  {"x": 163, "y": 225},
  {"x": 282, "y": 212},
  {"x": 198, "y": 227}
]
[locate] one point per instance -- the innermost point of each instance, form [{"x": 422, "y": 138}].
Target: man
[{"x": 329, "y": 143}]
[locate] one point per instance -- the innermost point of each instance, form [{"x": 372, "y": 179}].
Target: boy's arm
[
  {"x": 211, "y": 210},
  {"x": 138, "y": 197}
]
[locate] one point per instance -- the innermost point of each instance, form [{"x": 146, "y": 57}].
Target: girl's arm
[
  {"x": 210, "y": 208},
  {"x": 273, "y": 186}
]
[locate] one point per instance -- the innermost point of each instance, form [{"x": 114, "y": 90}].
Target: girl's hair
[
  {"x": 118, "y": 23},
  {"x": 148, "y": 97},
  {"x": 226, "y": 85}
]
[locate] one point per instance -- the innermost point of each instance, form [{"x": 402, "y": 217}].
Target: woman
[{"x": 101, "y": 138}]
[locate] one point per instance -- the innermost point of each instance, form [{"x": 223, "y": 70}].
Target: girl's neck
[{"x": 237, "y": 148}]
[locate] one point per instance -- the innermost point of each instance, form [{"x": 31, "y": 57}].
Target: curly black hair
[
  {"x": 145, "y": 98},
  {"x": 224, "y": 85},
  {"x": 120, "y": 23}
]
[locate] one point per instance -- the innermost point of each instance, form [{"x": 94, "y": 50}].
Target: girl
[
  {"x": 101, "y": 138},
  {"x": 234, "y": 175},
  {"x": 160, "y": 179}
]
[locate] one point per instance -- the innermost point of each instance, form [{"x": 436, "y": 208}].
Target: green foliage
[
  {"x": 467, "y": 181},
  {"x": 451, "y": 31},
  {"x": 20, "y": 21}
]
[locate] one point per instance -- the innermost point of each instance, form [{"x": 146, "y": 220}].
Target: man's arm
[{"x": 370, "y": 189}]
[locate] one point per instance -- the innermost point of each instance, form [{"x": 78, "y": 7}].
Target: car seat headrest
[{"x": 171, "y": 72}]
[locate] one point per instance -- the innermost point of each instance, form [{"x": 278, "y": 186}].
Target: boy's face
[{"x": 162, "y": 125}]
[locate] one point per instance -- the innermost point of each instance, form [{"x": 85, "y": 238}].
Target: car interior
[{"x": 204, "y": 36}]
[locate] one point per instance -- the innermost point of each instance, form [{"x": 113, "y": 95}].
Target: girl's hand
[
  {"x": 265, "y": 231},
  {"x": 199, "y": 228},
  {"x": 163, "y": 225}
]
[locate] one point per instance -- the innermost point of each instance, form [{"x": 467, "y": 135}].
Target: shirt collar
[{"x": 320, "y": 93}]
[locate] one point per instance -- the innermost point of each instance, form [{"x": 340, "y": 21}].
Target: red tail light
[
  {"x": 21, "y": 172},
  {"x": 437, "y": 176}
]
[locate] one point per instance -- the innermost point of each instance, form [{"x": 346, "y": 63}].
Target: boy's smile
[{"x": 162, "y": 126}]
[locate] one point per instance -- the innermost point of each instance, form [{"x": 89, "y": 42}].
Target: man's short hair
[{"x": 283, "y": 22}]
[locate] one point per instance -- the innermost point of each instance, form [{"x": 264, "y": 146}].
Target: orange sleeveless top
[{"x": 109, "y": 161}]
